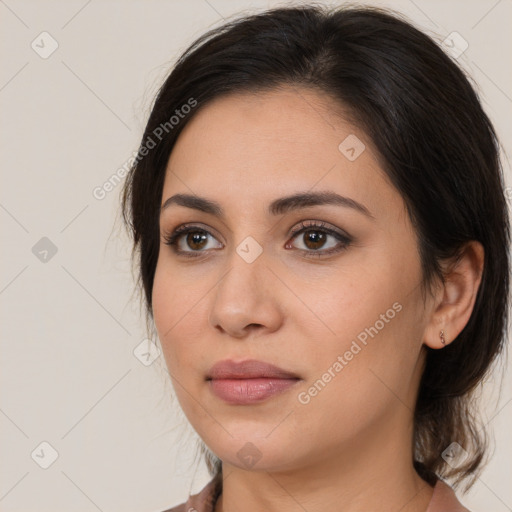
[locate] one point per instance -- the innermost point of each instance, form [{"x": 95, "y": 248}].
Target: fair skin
[{"x": 349, "y": 447}]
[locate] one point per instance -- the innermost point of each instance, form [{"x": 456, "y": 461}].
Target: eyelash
[{"x": 172, "y": 239}]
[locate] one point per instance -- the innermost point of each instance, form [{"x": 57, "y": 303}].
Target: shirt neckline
[{"x": 206, "y": 500}]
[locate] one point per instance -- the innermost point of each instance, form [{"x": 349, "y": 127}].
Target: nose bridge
[
  {"x": 242, "y": 296},
  {"x": 247, "y": 253},
  {"x": 247, "y": 266}
]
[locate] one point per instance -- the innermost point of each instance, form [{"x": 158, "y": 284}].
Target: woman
[{"x": 318, "y": 214}]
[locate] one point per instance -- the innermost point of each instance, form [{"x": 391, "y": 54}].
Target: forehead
[
  {"x": 252, "y": 129},
  {"x": 258, "y": 146}
]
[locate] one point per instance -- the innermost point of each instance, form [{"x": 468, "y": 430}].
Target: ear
[{"x": 456, "y": 297}]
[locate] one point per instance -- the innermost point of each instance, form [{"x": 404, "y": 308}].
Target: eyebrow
[{"x": 277, "y": 207}]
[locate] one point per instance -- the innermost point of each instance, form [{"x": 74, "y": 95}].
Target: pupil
[
  {"x": 196, "y": 238},
  {"x": 316, "y": 238}
]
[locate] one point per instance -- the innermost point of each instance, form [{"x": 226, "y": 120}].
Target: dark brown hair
[{"x": 436, "y": 144}]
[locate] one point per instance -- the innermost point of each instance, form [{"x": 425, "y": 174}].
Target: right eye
[{"x": 196, "y": 239}]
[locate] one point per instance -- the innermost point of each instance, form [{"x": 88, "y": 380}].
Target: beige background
[{"x": 69, "y": 376}]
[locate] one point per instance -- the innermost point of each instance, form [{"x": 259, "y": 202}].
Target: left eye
[{"x": 314, "y": 237}]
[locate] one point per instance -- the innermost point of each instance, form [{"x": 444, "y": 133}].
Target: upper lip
[{"x": 248, "y": 369}]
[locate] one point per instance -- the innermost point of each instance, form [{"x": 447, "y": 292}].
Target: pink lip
[
  {"x": 249, "y": 381},
  {"x": 248, "y": 369}
]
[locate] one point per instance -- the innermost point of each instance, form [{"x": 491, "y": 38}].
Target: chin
[{"x": 255, "y": 451}]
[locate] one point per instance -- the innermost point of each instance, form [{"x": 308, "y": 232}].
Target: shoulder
[
  {"x": 202, "y": 502},
  {"x": 177, "y": 508},
  {"x": 444, "y": 499}
]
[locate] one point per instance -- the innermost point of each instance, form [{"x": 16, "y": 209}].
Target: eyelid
[
  {"x": 320, "y": 225},
  {"x": 189, "y": 226}
]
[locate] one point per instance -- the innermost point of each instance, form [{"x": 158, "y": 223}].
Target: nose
[{"x": 246, "y": 299}]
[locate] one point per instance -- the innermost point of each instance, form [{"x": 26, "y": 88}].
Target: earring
[{"x": 441, "y": 335}]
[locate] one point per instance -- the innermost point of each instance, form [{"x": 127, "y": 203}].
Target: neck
[{"x": 374, "y": 472}]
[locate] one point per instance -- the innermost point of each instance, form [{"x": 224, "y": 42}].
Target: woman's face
[{"x": 338, "y": 305}]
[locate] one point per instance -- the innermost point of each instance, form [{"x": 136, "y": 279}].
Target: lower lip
[{"x": 249, "y": 391}]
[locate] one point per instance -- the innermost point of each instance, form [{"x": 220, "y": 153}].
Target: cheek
[
  {"x": 359, "y": 300},
  {"x": 181, "y": 308},
  {"x": 361, "y": 376},
  {"x": 370, "y": 318},
  {"x": 173, "y": 306},
  {"x": 164, "y": 302},
  {"x": 364, "y": 332}
]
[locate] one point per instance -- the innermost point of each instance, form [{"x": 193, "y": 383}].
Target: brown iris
[{"x": 317, "y": 239}]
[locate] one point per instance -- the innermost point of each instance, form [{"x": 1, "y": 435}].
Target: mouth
[{"x": 249, "y": 381}]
